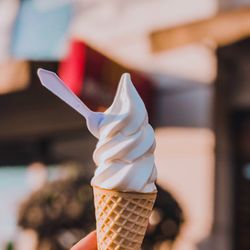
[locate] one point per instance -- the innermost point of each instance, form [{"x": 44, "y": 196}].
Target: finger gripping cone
[{"x": 122, "y": 218}]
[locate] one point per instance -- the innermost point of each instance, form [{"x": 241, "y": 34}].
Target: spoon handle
[{"x": 52, "y": 82}]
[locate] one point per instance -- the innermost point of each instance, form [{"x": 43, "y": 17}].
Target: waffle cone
[{"x": 121, "y": 218}]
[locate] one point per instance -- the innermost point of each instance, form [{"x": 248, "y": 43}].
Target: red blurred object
[{"x": 72, "y": 69}]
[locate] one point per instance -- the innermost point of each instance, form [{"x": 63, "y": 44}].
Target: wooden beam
[{"x": 224, "y": 28}]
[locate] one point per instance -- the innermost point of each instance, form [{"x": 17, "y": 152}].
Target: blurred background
[{"x": 189, "y": 60}]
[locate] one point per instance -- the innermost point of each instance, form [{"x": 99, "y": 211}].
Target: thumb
[{"x": 87, "y": 243}]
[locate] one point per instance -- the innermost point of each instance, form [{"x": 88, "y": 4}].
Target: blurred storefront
[
  {"x": 232, "y": 205},
  {"x": 190, "y": 65}
]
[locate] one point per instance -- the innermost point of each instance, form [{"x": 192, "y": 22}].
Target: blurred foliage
[
  {"x": 59, "y": 212},
  {"x": 10, "y": 246},
  {"x": 62, "y": 212}
]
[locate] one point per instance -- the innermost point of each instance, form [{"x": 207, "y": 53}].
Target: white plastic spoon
[{"x": 52, "y": 82}]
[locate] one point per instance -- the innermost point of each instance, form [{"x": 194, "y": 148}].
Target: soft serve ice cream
[
  {"x": 124, "y": 181},
  {"x": 124, "y": 154}
]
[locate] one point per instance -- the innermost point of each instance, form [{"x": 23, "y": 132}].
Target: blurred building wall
[
  {"x": 185, "y": 145},
  {"x": 232, "y": 97},
  {"x": 185, "y": 162},
  {"x": 186, "y": 106}
]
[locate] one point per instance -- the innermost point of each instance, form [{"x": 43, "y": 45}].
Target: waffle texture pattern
[{"x": 122, "y": 218}]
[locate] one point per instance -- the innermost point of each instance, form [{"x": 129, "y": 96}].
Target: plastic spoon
[{"x": 52, "y": 82}]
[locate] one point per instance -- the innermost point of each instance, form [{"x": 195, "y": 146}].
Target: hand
[{"x": 87, "y": 243}]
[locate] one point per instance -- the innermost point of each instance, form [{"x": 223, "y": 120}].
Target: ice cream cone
[{"x": 122, "y": 218}]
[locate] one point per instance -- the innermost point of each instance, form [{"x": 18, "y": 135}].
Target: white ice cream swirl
[{"x": 124, "y": 153}]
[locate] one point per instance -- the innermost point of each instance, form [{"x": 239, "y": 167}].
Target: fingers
[{"x": 87, "y": 243}]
